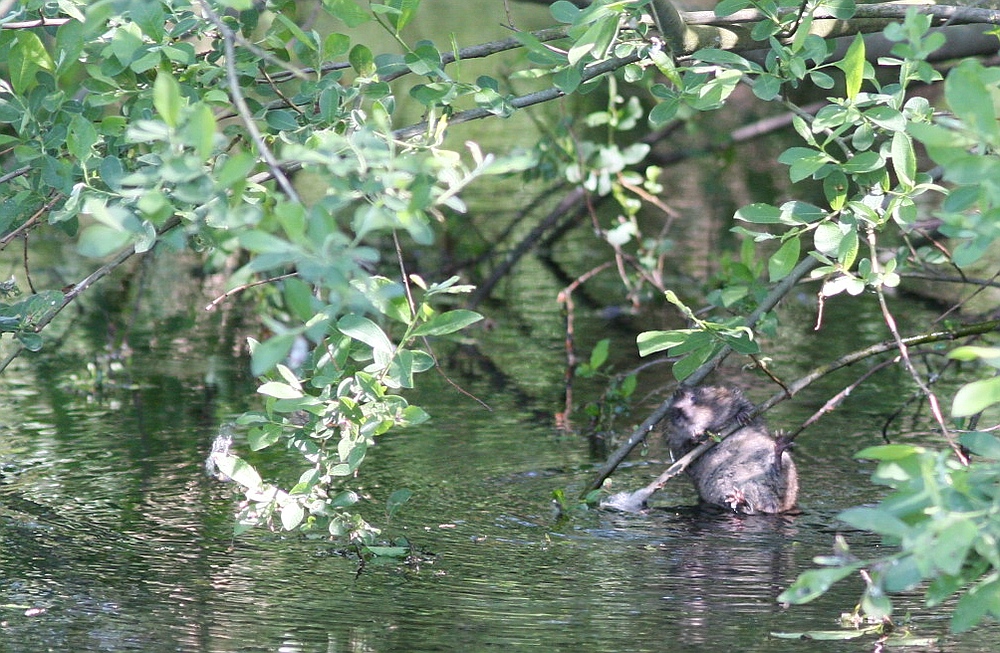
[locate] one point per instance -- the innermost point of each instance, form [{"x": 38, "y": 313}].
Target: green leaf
[
  {"x": 686, "y": 366},
  {"x": 199, "y": 131},
  {"x": 814, "y": 583},
  {"x": 364, "y": 330},
  {"x": 269, "y": 353},
  {"x": 564, "y": 11},
  {"x": 904, "y": 160},
  {"x": 982, "y": 599},
  {"x": 167, "y": 98},
  {"x": 361, "y": 60},
  {"x": 280, "y": 390},
  {"x": 348, "y": 11},
  {"x": 600, "y": 353},
  {"x": 728, "y": 7},
  {"x": 446, "y": 323},
  {"x": 970, "y": 99},
  {"x": 886, "y": 117},
  {"x": 875, "y": 520},
  {"x": 975, "y": 397},
  {"x": 803, "y": 162},
  {"x": 952, "y": 546},
  {"x": 853, "y": 65},
  {"x": 782, "y": 261},
  {"x": 889, "y": 452},
  {"x": 989, "y": 355},
  {"x": 406, "y": 10},
  {"x": 27, "y": 56},
  {"x": 263, "y": 437},
  {"x": 596, "y": 40},
  {"x": 759, "y": 214},
  {"x": 650, "y": 342},
  {"x": 81, "y": 138},
  {"x": 827, "y": 238},
  {"x": 982, "y": 444},
  {"x": 30, "y": 340},
  {"x": 863, "y": 162},
  {"x": 98, "y": 241}
]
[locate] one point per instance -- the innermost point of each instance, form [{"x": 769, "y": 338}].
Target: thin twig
[
  {"x": 904, "y": 352},
  {"x": 413, "y": 312},
  {"x": 235, "y": 291},
  {"x": 30, "y": 223},
  {"x": 236, "y": 93},
  {"x": 566, "y": 297}
]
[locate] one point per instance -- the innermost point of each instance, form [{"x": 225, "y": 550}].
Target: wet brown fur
[{"x": 749, "y": 471}]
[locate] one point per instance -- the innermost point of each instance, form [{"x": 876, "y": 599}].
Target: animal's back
[{"x": 748, "y": 471}]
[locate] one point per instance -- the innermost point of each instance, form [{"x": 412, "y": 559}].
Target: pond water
[{"x": 112, "y": 538}]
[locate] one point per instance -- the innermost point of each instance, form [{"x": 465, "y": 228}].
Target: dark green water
[{"x": 113, "y": 539}]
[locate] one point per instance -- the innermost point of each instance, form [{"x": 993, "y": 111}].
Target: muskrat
[{"x": 748, "y": 472}]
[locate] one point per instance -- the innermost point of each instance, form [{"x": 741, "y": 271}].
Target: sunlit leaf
[
  {"x": 975, "y": 397},
  {"x": 279, "y": 390},
  {"x": 238, "y": 470},
  {"x": 167, "y": 98},
  {"x": 650, "y": 342},
  {"x": 292, "y": 515},
  {"x": 364, "y": 330},
  {"x": 783, "y": 261},
  {"x": 445, "y": 323},
  {"x": 853, "y": 65}
]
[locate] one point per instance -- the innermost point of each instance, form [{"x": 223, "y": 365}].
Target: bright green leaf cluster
[{"x": 941, "y": 516}]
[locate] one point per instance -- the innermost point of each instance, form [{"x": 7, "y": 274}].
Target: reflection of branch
[
  {"x": 566, "y": 297},
  {"x": 78, "y": 289}
]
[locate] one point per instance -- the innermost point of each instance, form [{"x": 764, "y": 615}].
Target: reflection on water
[{"x": 114, "y": 539}]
